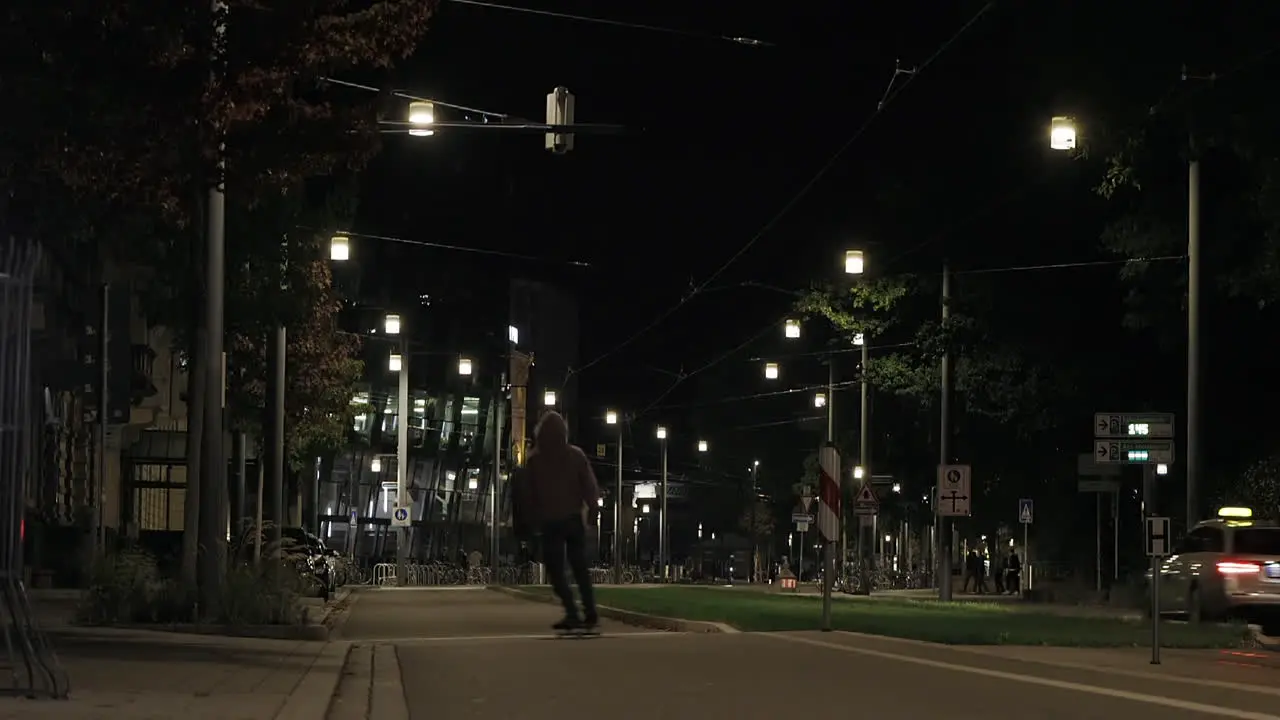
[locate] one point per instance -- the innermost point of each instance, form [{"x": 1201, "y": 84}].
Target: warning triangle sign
[{"x": 866, "y": 496}]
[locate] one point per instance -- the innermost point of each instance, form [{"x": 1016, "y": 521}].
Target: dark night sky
[{"x": 957, "y": 165}]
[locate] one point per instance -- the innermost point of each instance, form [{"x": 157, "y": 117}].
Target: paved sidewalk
[{"x": 146, "y": 674}]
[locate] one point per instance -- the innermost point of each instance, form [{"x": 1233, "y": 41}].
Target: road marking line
[
  {"x": 529, "y": 636},
  {"x": 1034, "y": 680}
]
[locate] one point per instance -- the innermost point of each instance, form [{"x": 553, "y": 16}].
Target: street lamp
[
  {"x": 376, "y": 465},
  {"x": 464, "y": 366},
  {"x": 339, "y": 248},
  {"x": 819, "y": 399},
  {"x": 391, "y": 324},
  {"x": 853, "y": 262},
  {"x": 422, "y": 113},
  {"x": 645, "y": 508},
  {"x": 395, "y": 362},
  {"x": 611, "y": 418},
  {"x": 1062, "y": 133},
  {"x": 549, "y": 398},
  {"x": 897, "y": 487},
  {"x": 702, "y": 446},
  {"x": 661, "y": 433},
  {"x": 792, "y": 328},
  {"x": 771, "y": 371},
  {"x": 859, "y": 339},
  {"x": 513, "y": 334},
  {"x": 857, "y": 472}
]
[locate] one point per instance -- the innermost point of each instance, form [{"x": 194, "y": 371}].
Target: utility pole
[
  {"x": 662, "y": 517},
  {"x": 751, "y": 516},
  {"x": 1193, "y": 340},
  {"x": 274, "y": 447},
  {"x": 100, "y": 477},
  {"x": 213, "y": 482},
  {"x": 864, "y": 460},
  {"x": 944, "y": 454},
  {"x": 402, "y": 465},
  {"x": 499, "y": 423},
  {"x": 617, "y": 515}
]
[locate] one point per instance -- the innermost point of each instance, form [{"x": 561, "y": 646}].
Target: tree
[
  {"x": 1258, "y": 488},
  {"x": 125, "y": 117}
]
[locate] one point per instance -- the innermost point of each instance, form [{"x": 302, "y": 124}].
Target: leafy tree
[
  {"x": 757, "y": 521},
  {"x": 1259, "y": 488}
]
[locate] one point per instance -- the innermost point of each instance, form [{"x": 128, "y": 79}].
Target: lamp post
[
  {"x": 662, "y": 507},
  {"x": 400, "y": 364},
  {"x": 611, "y": 418},
  {"x": 422, "y": 115},
  {"x": 549, "y": 399},
  {"x": 1062, "y": 136},
  {"x": 751, "y": 517},
  {"x": 855, "y": 264}
]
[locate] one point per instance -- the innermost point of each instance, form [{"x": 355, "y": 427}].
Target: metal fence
[
  {"x": 34, "y": 668},
  {"x": 445, "y": 574}
]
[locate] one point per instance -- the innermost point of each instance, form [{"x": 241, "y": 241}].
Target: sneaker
[{"x": 569, "y": 623}]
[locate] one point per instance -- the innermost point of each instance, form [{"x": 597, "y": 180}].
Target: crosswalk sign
[{"x": 1026, "y": 511}]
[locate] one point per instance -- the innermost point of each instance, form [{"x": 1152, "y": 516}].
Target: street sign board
[
  {"x": 400, "y": 515},
  {"x": 955, "y": 494},
  {"x": 802, "y": 527},
  {"x": 1026, "y": 511},
  {"x": 801, "y": 518},
  {"x": 601, "y": 450},
  {"x": 1098, "y": 486},
  {"x": 866, "y": 502},
  {"x": 1133, "y": 452},
  {"x": 1133, "y": 425},
  {"x": 1158, "y": 538},
  {"x": 1087, "y": 466},
  {"x": 354, "y": 518}
]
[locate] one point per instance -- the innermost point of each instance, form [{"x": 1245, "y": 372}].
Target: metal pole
[
  {"x": 104, "y": 338},
  {"x": 751, "y": 519},
  {"x": 1115, "y": 536},
  {"x": 944, "y": 454},
  {"x": 213, "y": 478},
  {"x": 402, "y": 465},
  {"x": 1155, "y": 610},
  {"x": 1024, "y": 577},
  {"x": 276, "y": 480},
  {"x": 495, "y": 539},
  {"x": 662, "y": 518},
  {"x": 1097, "y": 508},
  {"x": 240, "y": 448},
  {"x": 617, "y": 516},
  {"x": 1193, "y": 341}
]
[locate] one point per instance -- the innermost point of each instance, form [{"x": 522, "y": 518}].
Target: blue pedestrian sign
[
  {"x": 1026, "y": 511},
  {"x": 400, "y": 516},
  {"x": 354, "y": 519}
]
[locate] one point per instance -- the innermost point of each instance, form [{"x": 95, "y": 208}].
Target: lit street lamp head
[
  {"x": 1062, "y": 134},
  {"x": 394, "y": 362},
  {"x": 339, "y": 248},
  {"x": 819, "y": 399},
  {"x": 857, "y": 472},
  {"x": 791, "y": 328},
  {"x": 611, "y": 417},
  {"x": 771, "y": 371},
  {"x": 422, "y": 113},
  {"x": 661, "y": 433},
  {"x": 464, "y": 366},
  {"x": 859, "y": 339},
  {"x": 549, "y": 398},
  {"x": 853, "y": 262},
  {"x": 391, "y": 325},
  {"x": 702, "y": 446},
  {"x": 376, "y": 465}
]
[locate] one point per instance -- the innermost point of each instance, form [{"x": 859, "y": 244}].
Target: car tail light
[{"x": 1238, "y": 568}]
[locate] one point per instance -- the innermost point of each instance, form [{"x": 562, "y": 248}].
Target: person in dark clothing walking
[
  {"x": 559, "y": 494},
  {"x": 1014, "y": 582}
]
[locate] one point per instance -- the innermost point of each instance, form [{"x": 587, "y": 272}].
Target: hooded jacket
[{"x": 557, "y": 482}]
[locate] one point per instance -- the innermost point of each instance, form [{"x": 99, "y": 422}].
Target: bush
[{"x": 128, "y": 588}]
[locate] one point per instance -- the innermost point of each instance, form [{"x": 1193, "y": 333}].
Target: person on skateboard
[{"x": 559, "y": 493}]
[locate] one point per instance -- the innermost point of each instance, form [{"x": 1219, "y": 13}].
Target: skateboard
[{"x": 578, "y": 633}]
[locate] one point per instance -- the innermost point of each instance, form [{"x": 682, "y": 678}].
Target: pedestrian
[
  {"x": 980, "y": 572},
  {"x": 559, "y": 492},
  {"x": 1014, "y": 582},
  {"x": 997, "y": 572},
  {"x": 970, "y": 570}
]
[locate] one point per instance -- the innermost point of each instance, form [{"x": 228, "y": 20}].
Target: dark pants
[{"x": 568, "y": 538}]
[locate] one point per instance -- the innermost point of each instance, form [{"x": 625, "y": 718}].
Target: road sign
[
  {"x": 400, "y": 515},
  {"x": 601, "y": 450},
  {"x": 828, "y": 514},
  {"x": 1026, "y": 511},
  {"x": 954, "y": 490},
  {"x": 866, "y": 502},
  {"x": 1133, "y": 425},
  {"x": 354, "y": 518},
  {"x": 1158, "y": 536},
  {"x": 1134, "y": 452},
  {"x": 801, "y": 518},
  {"x": 1098, "y": 486}
]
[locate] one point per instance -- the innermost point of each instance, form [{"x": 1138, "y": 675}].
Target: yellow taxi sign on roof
[{"x": 1235, "y": 512}]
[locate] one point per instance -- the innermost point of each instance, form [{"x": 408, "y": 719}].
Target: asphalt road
[{"x": 478, "y": 654}]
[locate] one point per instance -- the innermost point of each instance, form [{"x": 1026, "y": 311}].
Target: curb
[
  {"x": 628, "y": 617},
  {"x": 1266, "y": 642},
  {"x": 312, "y": 695},
  {"x": 310, "y": 633}
]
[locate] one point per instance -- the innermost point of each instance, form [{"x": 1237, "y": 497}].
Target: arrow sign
[{"x": 954, "y": 490}]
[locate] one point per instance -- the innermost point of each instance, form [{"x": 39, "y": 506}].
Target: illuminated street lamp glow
[
  {"x": 897, "y": 487},
  {"x": 1062, "y": 134},
  {"x": 391, "y": 325},
  {"x": 339, "y": 248},
  {"x": 611, "y": 417},
  {"x": 661, "y": 433},
  {"x": 771, "y": 371},
  {"x": 376, "y": 465},
  {"x": 819, "y": 399},
  {"x": 857, "y": 472},
  {"x": 513, "y": 334},
  {"x": 792, "y": 328},
  {"x": 549, "y": 398},
  {"x": 645, "y": 509},
  {"x": 854, "y": 263},
  {"x": 859, "y": 339},
  {"x": 1162, "y": 469},
  {"x": 421, "y": 114},
  {"x": 702, "y": 446},
  {"x": 464, "y": 366},
  {"x": 394, "y": 362}
]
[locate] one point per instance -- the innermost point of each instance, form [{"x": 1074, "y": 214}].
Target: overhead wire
[
  {"x": 458, "y": 248},
  {"x": 595, "y": 20},
  {"x": 407, "y": 96},
  {"x": 803, "y": 192}
]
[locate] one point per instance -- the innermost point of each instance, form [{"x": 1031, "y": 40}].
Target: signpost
[
  {"x": 400, "y": 515},
  {"x": 802, "y": 526},
  {"x": 954, "y": 490},
  {"x": 828, "y": 522},
  {"x": 1134, "y": 452},
  {"x": 1026, "y": 515},
  {"x": 1158, "y": 548},
  {"x": 866, "y": 503}
]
